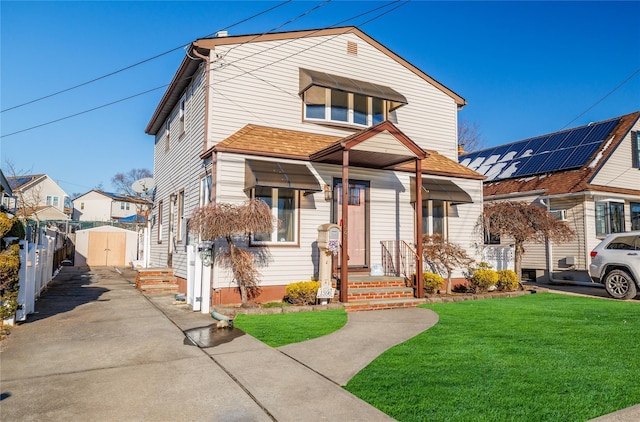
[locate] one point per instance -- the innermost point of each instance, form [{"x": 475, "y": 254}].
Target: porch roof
[{"x": 297, "y": 145}]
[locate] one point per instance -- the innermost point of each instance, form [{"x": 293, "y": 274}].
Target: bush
[
  {"x": 481, "y": 280},
  {"x": 432, "y": 282},
  {"x": 507, "y": 280},
  {"x": 9, "y": 281},
  {"x": 302, "y": 292}
]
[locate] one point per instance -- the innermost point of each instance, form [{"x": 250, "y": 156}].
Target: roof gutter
[{"x": 514, "y": 195}]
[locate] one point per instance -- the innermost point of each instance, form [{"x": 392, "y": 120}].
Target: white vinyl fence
[
  {"x": 36, "y": 271},
  {"x": 499, "y": 257}
]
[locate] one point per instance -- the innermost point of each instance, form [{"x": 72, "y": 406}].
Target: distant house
[
  {"x": 326, "y": 126},
  {"x": 37, "y": 197},
  {"x": 588, "y": 176},
  {"x": 97, "y": 205},
  {"x": 6, "y": 193}
]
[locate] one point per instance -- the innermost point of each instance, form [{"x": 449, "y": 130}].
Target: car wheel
[{"x": 620, "y": 285}]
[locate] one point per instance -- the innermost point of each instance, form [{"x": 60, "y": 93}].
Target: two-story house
[
  {"x": 588, "y": 176},
  {"x": 37, "y": 197},
  {"x": 291, "y": 118},
  {"x": 97, "y": 205}
]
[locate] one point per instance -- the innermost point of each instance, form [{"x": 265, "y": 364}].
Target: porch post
[
  {"x": 419, "y": 281},
  {"x": 344, "y": 256}
]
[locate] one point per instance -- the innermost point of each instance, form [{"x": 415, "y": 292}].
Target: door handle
[{"x": 632, "y": 253}]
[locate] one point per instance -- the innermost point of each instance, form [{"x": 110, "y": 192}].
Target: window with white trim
[
  {"x": 331, "y": 105},
  {"x": 284, "y": 208},
  {"x": 635, "y": 149},
  {"x": 181, "y": 116},
  {"x": 180, "y": 228},
  {"x": 160, "y": 210},
  {"x": 635, "y": 215},
  {"x": 434, "y": 217},
  {"x": 205, "y": 190},
  {"x": 609, "y": 217}
]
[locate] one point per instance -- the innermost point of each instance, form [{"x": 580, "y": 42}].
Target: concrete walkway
[{"x": 97, "y": 349}]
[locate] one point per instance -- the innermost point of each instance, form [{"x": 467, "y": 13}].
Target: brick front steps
[
  {"x": 156, "y": 280},
  {"x": 376, "y": 292}
]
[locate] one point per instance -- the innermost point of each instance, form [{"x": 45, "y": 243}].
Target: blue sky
[{"x": 525, "y": 68}]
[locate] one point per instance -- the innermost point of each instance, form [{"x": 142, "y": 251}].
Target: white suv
[{"x": 615, "y": 262}]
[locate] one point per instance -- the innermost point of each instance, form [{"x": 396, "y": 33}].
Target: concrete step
[
  {"x": 369, "y": 305},
  {"x": 356, "y": 293}
]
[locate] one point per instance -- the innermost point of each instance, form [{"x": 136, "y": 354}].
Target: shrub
[
  {"x": 432, "y": 282},
  {"x": 481, "y": 280},
  {"x": 302, "y": 292},
  {"x": 507, "y": 280},
  {"x": 9, "y": 281}
]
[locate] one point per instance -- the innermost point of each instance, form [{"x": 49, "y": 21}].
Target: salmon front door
[{"x": 358, "y": 218}]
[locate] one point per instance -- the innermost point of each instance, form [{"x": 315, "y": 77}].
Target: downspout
[
  {"x": 207, "y": 62},
  {"x": 419, "y": 264}
]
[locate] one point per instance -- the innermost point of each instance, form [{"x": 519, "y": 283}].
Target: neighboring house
[
  {"x": 6, "y": 193},
  {"x": 588, "y": 176},
  {"x": 286, "y": 118},
  {"x": 97, "y": 205},
  {"x": 38, "y": 197}
]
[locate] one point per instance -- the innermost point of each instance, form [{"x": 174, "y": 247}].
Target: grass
[
  {"x": 542, "y": 357},
  {"x": 280, "y": 329}
]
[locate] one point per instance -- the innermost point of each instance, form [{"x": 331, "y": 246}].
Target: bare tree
[
  {"x": 123, "y": 181},
  {"x": 523, "y": 222},
  {"x": 444, "y": 256},
  {"x": 234, "y": 223},
  {"x": 28, "y": 201},
  {"x": 469, "y": 136}
]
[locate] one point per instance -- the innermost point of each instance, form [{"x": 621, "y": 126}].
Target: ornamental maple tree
[
  {"x": 523, "y": 222},
  {"x": 234, "y": 223}
]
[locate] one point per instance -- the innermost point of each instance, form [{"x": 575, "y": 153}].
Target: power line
[
  {"x": 602, "y": 99},
  {"x": 245, "y": 72},
  {"x": 138, "y": 63}
]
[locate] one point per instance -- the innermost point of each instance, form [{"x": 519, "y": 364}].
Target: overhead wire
[
  {"x": 602, "y": 98},
  {"x": 140, "y": 62},
  {"x": 268, "y": 64}
]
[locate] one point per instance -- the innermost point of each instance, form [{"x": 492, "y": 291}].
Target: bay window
[{"x": 330, "y": 105}]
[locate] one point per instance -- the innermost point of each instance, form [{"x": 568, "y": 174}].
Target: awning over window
[
  {"x": 279, "y": 175},
  {"x": 309, "y": 78},
  {"x": 440, "y": 190}
]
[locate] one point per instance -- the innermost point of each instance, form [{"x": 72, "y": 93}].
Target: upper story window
[
  {"x": 53, "y": 200},
  {"x": 181, "y": 116},
  {"x": 635, "y": 149},
  {"x": 336, "y": 99}
]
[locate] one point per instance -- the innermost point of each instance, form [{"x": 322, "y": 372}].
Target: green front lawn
[
  {"x": 280, "y": 329},
  {"x": 541, "y": 357}
]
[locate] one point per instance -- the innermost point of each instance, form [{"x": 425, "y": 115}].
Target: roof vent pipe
[{"x": 222, "y": 34}]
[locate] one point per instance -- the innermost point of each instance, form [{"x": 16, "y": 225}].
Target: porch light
[{"x": 328, "y": 194}]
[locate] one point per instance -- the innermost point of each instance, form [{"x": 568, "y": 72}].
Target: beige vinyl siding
[
  {"x": 179, "y": 168},
  {"x": 617, "y": 171},
  {"x": 269, "y": 81},
  {"x": 577, "y": 248},
  {"x": 391, "y": 217}
]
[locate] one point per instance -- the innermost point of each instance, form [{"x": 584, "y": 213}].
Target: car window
[{"x": 625, "y": 242}]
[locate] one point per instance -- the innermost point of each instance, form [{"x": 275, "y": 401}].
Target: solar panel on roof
[{"x": 547, "y": 153}]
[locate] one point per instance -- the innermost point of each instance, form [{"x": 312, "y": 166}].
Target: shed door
[{"x": 107, "y": 249}]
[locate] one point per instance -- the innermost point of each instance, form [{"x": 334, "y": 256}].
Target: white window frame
[
  {"x": 205, "y": 189},
  {"x": 350, "y": 110},
  {"x": 428, "y": 225},
  {"x": 274, "y": 212},
  {"x": 608, "y": 226}
]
